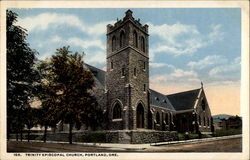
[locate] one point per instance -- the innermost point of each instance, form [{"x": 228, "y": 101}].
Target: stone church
[{"x": 124, "y": 93}]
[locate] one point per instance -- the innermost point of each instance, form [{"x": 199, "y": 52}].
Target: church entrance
[
  {"x": 184, "y": 125},
  {"x": 140, "y": 116}
]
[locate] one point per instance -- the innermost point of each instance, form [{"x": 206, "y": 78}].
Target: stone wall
[
  {"x": 139, "y": 136},
  {"x": 116, "y": 88},
  {"x": 118, "y": 136},
  {"x": 166, "y": 118},
  {"x": 138, "y": 95},
  {"x": 116, "y": 125},
  {"x": 152, "y": 136}
]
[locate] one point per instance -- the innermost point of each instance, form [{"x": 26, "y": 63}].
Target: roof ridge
[
  {"x": 183, "y": 92},
  {"x": 94, "y": 67},
  {"x": 157, "y": 92}
]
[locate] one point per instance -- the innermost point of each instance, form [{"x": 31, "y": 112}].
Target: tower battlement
[{"x": 128, "y": 17}]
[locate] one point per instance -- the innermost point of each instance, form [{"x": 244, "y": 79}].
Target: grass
[
  {"x": 219, "y": 133},
  {"x": 182, "y": 136},
  {"x": 25, "y": 137}
]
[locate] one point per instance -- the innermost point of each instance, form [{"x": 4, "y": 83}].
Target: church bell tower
[{"x": 127, "y": 76}]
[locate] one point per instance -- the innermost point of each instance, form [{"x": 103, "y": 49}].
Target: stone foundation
[
  {"x": 139, "y": 136},
  {"x": 117, "y": 136}
]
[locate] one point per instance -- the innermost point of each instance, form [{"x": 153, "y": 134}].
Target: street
[{"x": 228, "y": 145}]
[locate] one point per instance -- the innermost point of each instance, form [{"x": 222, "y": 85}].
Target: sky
[{"x": 186, "y": 45}]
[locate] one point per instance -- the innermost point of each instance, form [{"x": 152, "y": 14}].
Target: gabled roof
[
  {"x": 160, "y": 100},
  {"x": 184, "y": 100},
  {"x": 98, "y": 73}
]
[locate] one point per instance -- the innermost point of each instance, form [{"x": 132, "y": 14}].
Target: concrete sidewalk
[
  {"x": 145, "y": 146},
  {"x": 191, "y": 141}
]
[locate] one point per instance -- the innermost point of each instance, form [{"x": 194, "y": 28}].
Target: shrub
[
  {"x": 193, "y": 136},
  {"x": 180, "y": 137},
  {"x": 12, "y": 136},
  {"x": 39, "y": 138}
]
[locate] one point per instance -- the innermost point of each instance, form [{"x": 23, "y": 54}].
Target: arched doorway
[
  {"x": 117, "y": 114},
  {"x": 140, "y": 116},
  {"x": 184, "y": 125}
]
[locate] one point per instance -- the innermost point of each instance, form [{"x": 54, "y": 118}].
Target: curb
[{"x": 196, "y": 140}]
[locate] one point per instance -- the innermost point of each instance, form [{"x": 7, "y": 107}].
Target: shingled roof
[
  {"x": 184, "y": 100},
  {"x": 98, "y": 73},
  {"x": 160, "y": 100}
]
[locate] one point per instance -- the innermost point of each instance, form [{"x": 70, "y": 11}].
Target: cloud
[
  {"x": 96, "y": 57},
  {"x": 158, "y": 65},
  {"x": 99, "y": 28},
  {"x": 56, "y": 39},
  {"x": 216, "y": 33},
  {"x": 79, "y": 42},
  {"x": 232, "y": 67},
  {"x": 180, "y": 39},
  {"x": 48, "y": 20},
  {"x": 44, "y": 56},
  {"x": 176, "y": 75},
  {"x": 86, "y": 43},
  {"x": 171, "y": 32},
  {"x": 207, "y": 61},
  {"x": 44, "y": 20},
  {"x": 94, "y": 50}
]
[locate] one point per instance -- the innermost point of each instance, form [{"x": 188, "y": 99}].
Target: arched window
[
  {"x": 144, "y": 87},
  {"x": 135, "y": 39},
  {"x": 143, "y": 44},
  {"x": 203, "y": 105},
  {"x": 208, "y": 121},
  {"x": 123, "y": 71},
  {"x": 113, "y": 43},
  {"x": 117, "y": 111},
  {"x": 135, "y": 72},
  {"x": 157, "y": 118},
  {"x": 122, "y": 39},
  {"x": 111, "y": 65},
  {"x": 204, "y": 121},
  {"x": 166, "y": 118},
  {"x": 199, "y": 120}
]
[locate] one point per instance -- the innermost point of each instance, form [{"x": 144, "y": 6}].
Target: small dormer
[{"x": 157, "y": 99}]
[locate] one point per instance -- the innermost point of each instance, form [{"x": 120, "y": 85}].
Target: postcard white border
[{"x": 244, "y": 5}]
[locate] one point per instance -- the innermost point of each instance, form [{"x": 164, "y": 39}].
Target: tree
[
  {"x": 48, "y": 97},
  {"x": 70, "y": 84},
  {"x": 31, "y": 119},
  {"x": 21, "y": 74},
  {"x": 48, "y": 115}
]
